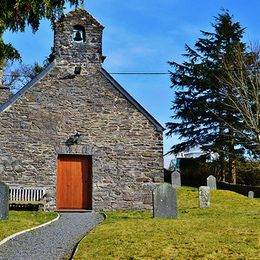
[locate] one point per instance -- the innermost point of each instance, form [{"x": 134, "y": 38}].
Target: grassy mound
[
  {"x": 229, "y": 229},
  {"x": 21, "y": 220}
]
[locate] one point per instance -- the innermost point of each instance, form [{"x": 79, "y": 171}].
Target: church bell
[{"x": 78, "y": 37}]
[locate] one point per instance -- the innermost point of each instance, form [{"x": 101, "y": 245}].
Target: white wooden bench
[{"x": 27, "y": 196}]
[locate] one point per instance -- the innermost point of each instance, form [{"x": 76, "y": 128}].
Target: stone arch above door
[{"x": 84, "y": 149}]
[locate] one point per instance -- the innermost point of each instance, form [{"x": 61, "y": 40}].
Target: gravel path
[{"x": 53, "y": 241}]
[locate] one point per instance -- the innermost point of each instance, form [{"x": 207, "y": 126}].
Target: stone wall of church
[
  {"x": 126, "y": 148},
  {"x": 5, "y": 94}
]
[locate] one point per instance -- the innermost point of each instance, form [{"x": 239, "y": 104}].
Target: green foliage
[
  {"x": 229, "y": 229},
  {"x": 21, "y": 220},
  {"x": 15, "y": 15},
  {"x": 7, "y": 52},
  {"x": 194, "y": 171},
  {"x": 248, "y": 172},
  {"x": 198, "y": 102}
]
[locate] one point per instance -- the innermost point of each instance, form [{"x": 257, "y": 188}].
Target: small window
[{"x": 78, "y": 34}]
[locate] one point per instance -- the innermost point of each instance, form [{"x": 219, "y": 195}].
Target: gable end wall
[{"x": 126, "y": 148}]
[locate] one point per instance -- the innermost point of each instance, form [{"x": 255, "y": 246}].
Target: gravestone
[
  {"x": 204, "y": 197},
  {"x": 250, "y": 194},
  {"x": 176, "y": 179},
  {"x": 4, "y": 201},
  {"x": 211, "y": 182},
  {"x": 165, "y": 201}
]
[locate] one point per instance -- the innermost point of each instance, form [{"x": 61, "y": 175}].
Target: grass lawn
[
  {"x": 229, "y": 229},
  {"x": 20, "y": 220}
]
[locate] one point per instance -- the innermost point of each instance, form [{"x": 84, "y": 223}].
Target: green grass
[
  {"x": 229, "y": 229},
  {"x": 21, "y": 220}
]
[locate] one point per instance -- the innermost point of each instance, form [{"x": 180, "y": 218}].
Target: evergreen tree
[{"x": 198, "y": 107}]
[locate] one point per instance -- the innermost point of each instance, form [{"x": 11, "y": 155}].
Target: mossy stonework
[{"x": 124, "y": 141}]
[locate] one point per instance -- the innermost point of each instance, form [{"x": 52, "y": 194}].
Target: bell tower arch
[{"x": 78, "y": 34}]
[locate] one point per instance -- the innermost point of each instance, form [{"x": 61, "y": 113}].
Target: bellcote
[{"x": 78, "y": 40}]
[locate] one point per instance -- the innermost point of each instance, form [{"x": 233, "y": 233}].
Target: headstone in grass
[
  {"x": 204, "y": 197},
  {"x": 250, "y": 194},
  {"x": 176, "y": 179},
  {"x": 4, "y": 201},
  {"x": 211, "y": 182},
  {"x": 165, "y": 201}
]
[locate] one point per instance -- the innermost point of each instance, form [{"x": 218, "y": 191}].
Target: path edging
[
  {"x": 27, "y": 230},
  {"x": 76, "y": 247}
]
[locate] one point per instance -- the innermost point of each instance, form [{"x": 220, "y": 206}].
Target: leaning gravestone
[
  {"x": 4, "y": 201},
  {"x": 204, "y": 197},
  {"x": 165, "y": 201},
  {"x": 176, "y": 179},
  {"x": 211, "y": 182},
  {"x": 250, "y": 194}
]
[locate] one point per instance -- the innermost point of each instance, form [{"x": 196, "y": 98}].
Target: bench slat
[{"x": 26, "y": 194}]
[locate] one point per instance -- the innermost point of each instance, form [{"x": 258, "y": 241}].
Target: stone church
[{"x": 76, "y": 132}]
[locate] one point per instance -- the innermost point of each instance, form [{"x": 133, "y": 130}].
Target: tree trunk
[
  {"x": 222, "y": 171},
  {"x": 233, "y": 171},
  {"x": 232, "y": 161}
]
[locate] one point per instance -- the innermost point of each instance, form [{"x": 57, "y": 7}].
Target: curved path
[{"x": 53, "y": 241}]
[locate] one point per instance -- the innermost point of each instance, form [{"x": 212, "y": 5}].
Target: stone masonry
[
  {"x": 5, "y": 94},
  {"x": 125, "y": 145}
]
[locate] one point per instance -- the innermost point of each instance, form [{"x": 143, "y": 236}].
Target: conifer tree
[{"x": 198, "y": 103}]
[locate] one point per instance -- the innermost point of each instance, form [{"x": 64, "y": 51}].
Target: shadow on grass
[{"x": 24, "y": 207}]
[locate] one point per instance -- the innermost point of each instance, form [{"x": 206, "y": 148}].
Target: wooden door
[{"x": 73, "y": 182}]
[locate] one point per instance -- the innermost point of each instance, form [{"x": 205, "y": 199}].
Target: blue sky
[{"x": 141, "y": 36}]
